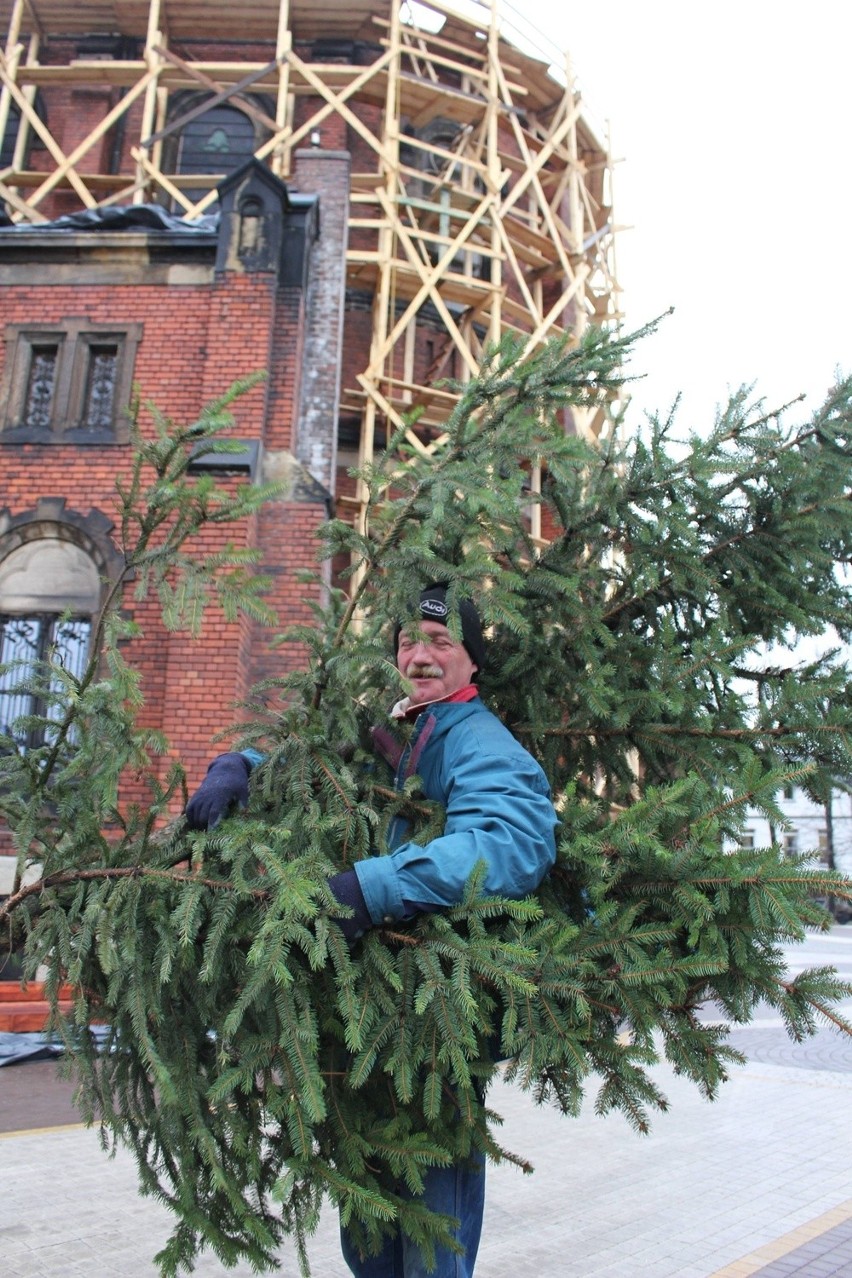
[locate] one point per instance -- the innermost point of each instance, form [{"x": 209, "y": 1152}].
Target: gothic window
[
  {"x": 41, "y": 385},
  {"x": 49, "y": 591},
  {"x": 211, "y": 143},
  {"x": 217, "y": 142},
  {"x": 71, "y": 382},
  {"x": 439, "y": 189},
  {"x": 98, "y": 408}
]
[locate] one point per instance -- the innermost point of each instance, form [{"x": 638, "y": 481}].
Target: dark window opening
[
  {"x": 251, "y": 215},
  {"x": 201, "y": 142},
  {"x": 10, "y": 137},
  {"x": 217, "y": 142},
  {"x": 9, "y": 140},
  {"x": 41, "y": 386},
  {"x": 100, "y": 390}
]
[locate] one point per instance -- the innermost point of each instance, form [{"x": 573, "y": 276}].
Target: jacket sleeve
[
  {"x": 253, "y": 758},
  {"x": 499, "y": 812}
]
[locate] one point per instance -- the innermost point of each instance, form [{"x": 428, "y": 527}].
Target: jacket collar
[{"x": 406, "y": 709}]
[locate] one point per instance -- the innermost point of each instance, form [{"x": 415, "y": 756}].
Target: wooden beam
[
  {"x": 10, "y": 195},
  {"x": 534, "y": 166},
  {"x": 520, "y": 277},
  {"x": 336, "y": 102},
  {"x": 220, "y": 95},
  {"x": 561, "y": 302},
  {"x": 283, "y": 46},
  {"x": 452, "y": 46},
  {"x": 14, "y": 49},
  {"x": 22, "y": 140},
  {"x": 160, "y": 178},
  {"x": 430, "y": 279},
  {"x": 43, "y": 132},
  {"x": 533, "y": 180},
  {"x": 70, "y": 162},
  {"x": 153, "y": 40},
  {"x": 35, "y": 20},
  {"x": 386, "y": 407},
  {"x": 452, "y": 157}
]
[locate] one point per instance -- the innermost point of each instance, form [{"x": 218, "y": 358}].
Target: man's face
[{"x": 432, "y": 661}]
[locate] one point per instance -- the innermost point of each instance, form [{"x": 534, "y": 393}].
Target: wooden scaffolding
[{"x": 479, "y": 193}]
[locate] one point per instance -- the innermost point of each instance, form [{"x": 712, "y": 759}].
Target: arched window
[
  {"x": 437, "y": 190},
  {"x": 50, "y": 590},
  {"x": 216, "y": 141}
]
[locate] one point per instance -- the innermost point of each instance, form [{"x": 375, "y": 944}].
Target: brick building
[{"x": 356, "y": 198}]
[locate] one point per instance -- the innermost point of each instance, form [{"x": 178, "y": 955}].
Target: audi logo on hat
[{"x": 433, "y": 608}]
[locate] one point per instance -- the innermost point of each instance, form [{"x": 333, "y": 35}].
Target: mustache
[{"x": 424, "y": 672}]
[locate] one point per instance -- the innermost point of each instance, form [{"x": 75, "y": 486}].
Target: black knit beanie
[{"x": 432, "y": 606}]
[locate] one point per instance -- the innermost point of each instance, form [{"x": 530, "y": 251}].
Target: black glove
[
  {"x": 225, "y": 785},
  {"x": 346, "y": 889}
]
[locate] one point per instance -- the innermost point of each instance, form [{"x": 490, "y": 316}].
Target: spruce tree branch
[
  {"x": 738, "y": 801},
  {"x": 68, "y": 877},
  {"x": 838, "y": 886},
  {"x": 767, "y": 674},
  {"x": 661, "y": 591},
  {"x": 791, "y": 988},
  {"x": 758, "y": 470},
  {"x": 406, "y": 804},
  {"x": 679, "y": 730}
]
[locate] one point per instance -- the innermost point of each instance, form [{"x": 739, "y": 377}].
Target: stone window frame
[
  {"x": 75, "y": 338},
  {"x": 51, "y": 519}
]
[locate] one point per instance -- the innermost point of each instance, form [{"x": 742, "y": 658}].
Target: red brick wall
[{"x": 196, "y": 341}]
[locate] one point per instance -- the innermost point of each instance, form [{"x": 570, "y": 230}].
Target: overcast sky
[{"x": 732, "y": 121}]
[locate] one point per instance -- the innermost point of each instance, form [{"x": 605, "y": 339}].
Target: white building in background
[{"x": 808, "y": 827}]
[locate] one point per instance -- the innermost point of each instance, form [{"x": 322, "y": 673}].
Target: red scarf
[{"x": 465, "y": 693}]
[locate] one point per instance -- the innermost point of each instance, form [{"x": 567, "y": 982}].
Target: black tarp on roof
[{"x": 119, "y": 217}]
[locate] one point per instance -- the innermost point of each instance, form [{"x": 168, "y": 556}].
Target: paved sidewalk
[{"x": 758, "y": 1183}]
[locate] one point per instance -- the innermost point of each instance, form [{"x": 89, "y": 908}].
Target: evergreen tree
[{"x": 256, "y": 1064}]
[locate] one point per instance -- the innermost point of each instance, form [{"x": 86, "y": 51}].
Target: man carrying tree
[
  {"x": 260, "y": 1058},
  {"x": 499, "y": 816}
]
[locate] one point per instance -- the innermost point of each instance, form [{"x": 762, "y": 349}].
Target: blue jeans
[{"x": 454, "y": 1191}]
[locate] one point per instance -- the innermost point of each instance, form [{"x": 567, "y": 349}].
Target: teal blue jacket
[{"x": 498, "y": 812}]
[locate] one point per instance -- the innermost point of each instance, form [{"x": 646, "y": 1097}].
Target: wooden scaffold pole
[
  {"x": 154, "y": 39},
  {"x": 13, "y": 53},
  {"x": 389, "y": 164},
  {"x": 284, "y": 104},
  {"x": 495, "y": 175}
]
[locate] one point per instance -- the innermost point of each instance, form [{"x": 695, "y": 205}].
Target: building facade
[
  {"x": 820, "y": 831},
  {"x": 355, "y": 198}
]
